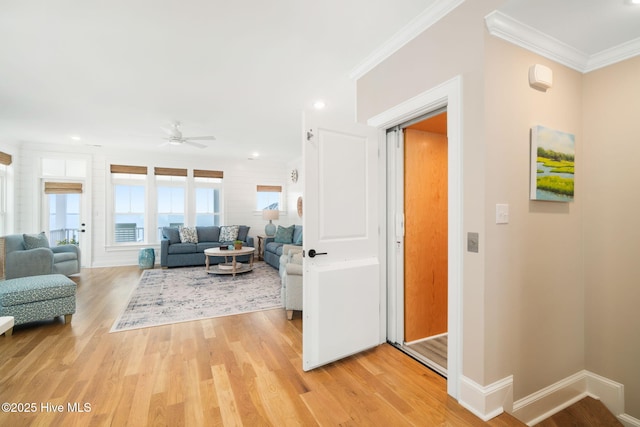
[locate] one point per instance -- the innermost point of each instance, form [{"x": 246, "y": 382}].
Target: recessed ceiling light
[
  {"x": 76, "y": 138},
  {"x": 319, "y": 104},
  {"x": 633, "y": 2}
]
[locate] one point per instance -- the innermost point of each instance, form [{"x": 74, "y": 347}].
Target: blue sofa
[
  {"x": 174, "y": 253},
  {"x": 273, "y": 245}
]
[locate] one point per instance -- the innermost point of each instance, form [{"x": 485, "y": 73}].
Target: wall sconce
[{"x": 540, "y": 77}]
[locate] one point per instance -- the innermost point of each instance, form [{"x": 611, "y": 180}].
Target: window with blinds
[{"x": 268, "y": 197}]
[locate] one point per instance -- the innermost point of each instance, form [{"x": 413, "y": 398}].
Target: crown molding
[
  {"x": 615, "y": 54},
  {"x": 434, "y": 13},
  {"x": 514, "y": 31}
]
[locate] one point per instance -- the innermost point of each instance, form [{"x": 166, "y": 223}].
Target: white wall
[{"x": 240, "y": 180}]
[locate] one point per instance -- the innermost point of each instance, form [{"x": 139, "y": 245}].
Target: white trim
[
  {"x": 550, "y": 400},
  {"x": 514, "y": 31},
  {"x": 489, "y": 401},
  {"x": 447, "y": 94},
  {"x": 432, "y": 14}
]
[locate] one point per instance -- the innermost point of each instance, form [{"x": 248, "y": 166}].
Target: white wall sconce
[{"x": 540, "y": 77}]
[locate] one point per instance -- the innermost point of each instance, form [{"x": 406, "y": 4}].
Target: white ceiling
[{"x": 115, "y": 72}]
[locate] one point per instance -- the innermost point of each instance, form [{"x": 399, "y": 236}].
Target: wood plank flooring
[
  {"x": 229, "y": 371},
  {"x": 585, "y": 412}
]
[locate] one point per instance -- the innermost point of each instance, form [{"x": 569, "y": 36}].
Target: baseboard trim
[
  {"x": 486, "y": 402},
  {"x": 552, "y": 399}
]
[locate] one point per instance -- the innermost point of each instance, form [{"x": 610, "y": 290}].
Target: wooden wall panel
[{"x": 426, "y": 237}]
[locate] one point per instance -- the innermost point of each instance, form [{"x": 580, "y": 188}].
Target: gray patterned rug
[{"x": 184, "y": 294}]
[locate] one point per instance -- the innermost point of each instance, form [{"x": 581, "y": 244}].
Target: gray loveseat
[
  {"x": 30, "y": 255},
  {"x": 175, "y": 253},
  {"x": 284, "y": 236}
]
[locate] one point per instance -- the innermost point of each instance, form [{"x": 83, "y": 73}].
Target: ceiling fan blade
[
  {"x": 199, "y": 138},
  {"x": 195, "y": 144}
]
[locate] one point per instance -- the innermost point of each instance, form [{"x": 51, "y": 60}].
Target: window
[
  {"x": 171, "y": 185},
  {"x": 268, "y": 197},
  {"x": 143, "y": 205},
  {"x": 208, "y": 197},
  {"x": 5, "y": 161},
  {"x": 129, "y": 187},
  {"x": 64, "y": 209}
]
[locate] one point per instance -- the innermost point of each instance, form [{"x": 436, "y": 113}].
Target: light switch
[
  {"x": 502, "y": 214},
  {"x": 473, "y": 242}
]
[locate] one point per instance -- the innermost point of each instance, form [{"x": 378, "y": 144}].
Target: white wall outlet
[{"x": 502, "y": 213}]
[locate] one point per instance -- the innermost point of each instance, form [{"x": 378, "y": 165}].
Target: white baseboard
[
  {"x": 551, "y": 400},
  {"x": 486, "y": 402}
]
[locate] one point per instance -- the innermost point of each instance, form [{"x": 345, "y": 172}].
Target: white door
[
  {"x": 342, "y": 294},
  {"x": 64, "y": 217}
]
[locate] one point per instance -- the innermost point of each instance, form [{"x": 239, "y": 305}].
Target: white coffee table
[{"x": 227, "y": 267}]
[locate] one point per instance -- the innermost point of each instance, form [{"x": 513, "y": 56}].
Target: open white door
[{"x": 341, "y": 294}]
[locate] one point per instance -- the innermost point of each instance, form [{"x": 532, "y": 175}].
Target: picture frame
[{"x": 552, "y": 165}]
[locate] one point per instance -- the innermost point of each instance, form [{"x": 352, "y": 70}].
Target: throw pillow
[
  {"x": 284, "y": 234},
  {"x": 209, "y": 233},
  {"x": 188, "y": 234},
  {"x": 32, "y": 241},
  {"x": 298, "y": 240},
  {"x": 228, "y": 233},
  {"x": 172, "y": 234},
  {"x": 243, "y": 232}
]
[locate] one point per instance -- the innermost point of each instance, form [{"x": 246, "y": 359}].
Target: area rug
[{"x": 165, "y": 296}]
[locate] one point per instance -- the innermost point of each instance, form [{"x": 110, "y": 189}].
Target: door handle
[{"x": 313, "y": 253}]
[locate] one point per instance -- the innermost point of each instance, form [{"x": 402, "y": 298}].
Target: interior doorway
[{"x": 424, "y": 243}]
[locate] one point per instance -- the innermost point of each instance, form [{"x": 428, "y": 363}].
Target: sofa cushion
[
  {"x": 64, "y": 256},
  {"x": 182, "y": 248},
  {"x": 202, "y": 246},
  {"x": 208, "y": 233},
  {"x": 32, "y": 241},
  {"x": 243, "y": 232},
  {"x": 25, "y": 290},
  {"x": 172, "y": 234},
  {"x": 228, "y": 233},
  {"x": 274, "y": 247},
  {"x": 284, "y": 234},
  {"x": 297, "y": 236}
]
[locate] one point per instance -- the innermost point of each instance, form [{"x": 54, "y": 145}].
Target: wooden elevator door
[{"x": 426, "y": 236}]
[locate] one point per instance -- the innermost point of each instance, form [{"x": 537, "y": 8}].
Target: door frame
[{"x": 449, "y": 95}]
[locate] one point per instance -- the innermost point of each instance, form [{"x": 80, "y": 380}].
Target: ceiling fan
[{"x": 175, "y": 137}]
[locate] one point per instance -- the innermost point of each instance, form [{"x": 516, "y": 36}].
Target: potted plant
[{"x": 237, "y": 244}]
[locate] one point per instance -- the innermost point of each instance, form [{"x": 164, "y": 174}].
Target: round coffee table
[{"x": 227, "y": 267}]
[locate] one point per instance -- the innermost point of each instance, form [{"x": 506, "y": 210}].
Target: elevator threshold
[{"x": 430, "y": 351}]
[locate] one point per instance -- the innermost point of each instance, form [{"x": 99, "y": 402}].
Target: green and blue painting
[{"x": 552, "y": 164}]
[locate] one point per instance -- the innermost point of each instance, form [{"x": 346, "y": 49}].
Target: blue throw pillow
[
  {"x": 284, "y": 234},
  {"x": 172, "y": 234},
  {"x": 32, "y": 241},
  {"x": 243, "y": 232}
]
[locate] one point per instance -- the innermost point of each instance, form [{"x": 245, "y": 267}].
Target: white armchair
[{"x": 291, "y": 278}]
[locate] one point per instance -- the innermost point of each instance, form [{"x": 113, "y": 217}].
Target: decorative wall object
[
  {"x": 552, "y": 164},
  {"x": 299, "y": 206}
]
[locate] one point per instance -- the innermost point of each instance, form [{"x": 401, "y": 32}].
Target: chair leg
[
  {"x": 67, "y": 318},
  {"x": 289, "y": 314}
]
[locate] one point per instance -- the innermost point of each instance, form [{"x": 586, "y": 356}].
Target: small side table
[
  {"x": 146, "y": 258},
  {"x": 261, "y": 239},
  {"x": 6, "y": 325}
]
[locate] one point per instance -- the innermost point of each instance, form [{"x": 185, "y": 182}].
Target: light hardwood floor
[{"x": 236, "y": 370}]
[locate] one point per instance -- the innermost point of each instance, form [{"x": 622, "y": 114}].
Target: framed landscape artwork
[{"x": 552, "y": 165}]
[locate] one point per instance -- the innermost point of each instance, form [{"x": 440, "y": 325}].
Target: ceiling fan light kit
[{"x": 175, "y": 137}]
